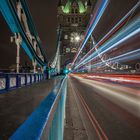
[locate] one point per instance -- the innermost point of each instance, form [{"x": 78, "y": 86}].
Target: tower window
[
  {"x": 66, "y": 37},
  {"x": 68, "y": 19},
  {"x": 72, "y": 20},
  {"x": 76, "y": 11},
  {"x": 76, "y": 20}
]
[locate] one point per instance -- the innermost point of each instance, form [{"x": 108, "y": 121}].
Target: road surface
[{"x": 109, "y": 111}]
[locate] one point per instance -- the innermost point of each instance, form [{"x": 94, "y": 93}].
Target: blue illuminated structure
[
  {"x": 47, "y": 121},
  {"x": 9, "y": 12}
]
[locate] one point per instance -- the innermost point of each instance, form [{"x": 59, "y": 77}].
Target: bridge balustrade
[{"x": 10, "y": 81}]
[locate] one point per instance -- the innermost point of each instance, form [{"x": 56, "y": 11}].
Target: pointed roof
[{"x": 66, "y": 8}]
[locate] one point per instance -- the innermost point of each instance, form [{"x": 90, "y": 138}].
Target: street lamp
[{"x": 77, "y": 38}]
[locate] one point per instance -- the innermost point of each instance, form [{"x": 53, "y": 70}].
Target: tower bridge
[{"x": 90, "y": 87}]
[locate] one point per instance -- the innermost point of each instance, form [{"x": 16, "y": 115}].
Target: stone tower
[{"x": 73, "y": 17}]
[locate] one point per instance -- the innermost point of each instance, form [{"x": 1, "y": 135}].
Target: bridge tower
[{"x": 73, "y": 17}]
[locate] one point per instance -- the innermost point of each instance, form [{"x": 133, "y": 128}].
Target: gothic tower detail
[{"x": 73, "y": 17}]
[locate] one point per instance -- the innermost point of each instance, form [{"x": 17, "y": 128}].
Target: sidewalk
[
  {"x": 17, "y": 105},
  {"x": 74, "y": 129}
]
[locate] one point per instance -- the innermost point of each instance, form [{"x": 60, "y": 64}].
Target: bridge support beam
[
  {"x": 18, "y": 58},
  {"x": 17, "y": 39},
  {"x": 34, "y": 66},
  {"x": 34, "y": 63}
]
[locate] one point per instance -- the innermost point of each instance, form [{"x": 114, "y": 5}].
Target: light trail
[
  {"x": 120, "y": 23},
  {"x": 99, "y": 130},
  {"x": 93, "y": 25},
  {"x": 115, "y": 95},
  {"x": 112, "y": 31},
  {"x": 118, "y": 78},
  {"x": 121, "y": 37},
  {"x": 117, "y": 41},
  {"x": 127, "y": 56}
]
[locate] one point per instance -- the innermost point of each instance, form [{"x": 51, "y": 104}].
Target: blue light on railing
[{"x": 47, "y": 121}]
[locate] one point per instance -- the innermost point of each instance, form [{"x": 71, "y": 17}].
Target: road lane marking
[{"x": 101, "y": 134}]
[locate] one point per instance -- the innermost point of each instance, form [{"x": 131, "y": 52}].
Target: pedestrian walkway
[
  {"x": 17, "y": 105},
  {"x": 74, "y": 128}
]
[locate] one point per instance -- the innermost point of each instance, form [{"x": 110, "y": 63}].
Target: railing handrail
[
  {"x": 12, "y": 73},
  {"x": 38, "y": 123}
]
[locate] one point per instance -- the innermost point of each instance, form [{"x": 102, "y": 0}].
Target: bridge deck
[
  {"x": 17, "y": 105},
  {"x": 102, "y": 110}
]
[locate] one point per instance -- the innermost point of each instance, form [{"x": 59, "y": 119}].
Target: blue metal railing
[
  {"x": 10, "y": 81},
  {"x": 47, "y": 121},
  {"x": 57, "y": 127}
]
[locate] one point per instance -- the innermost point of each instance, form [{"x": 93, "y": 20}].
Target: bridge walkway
[{"x": 17, "y": 105}]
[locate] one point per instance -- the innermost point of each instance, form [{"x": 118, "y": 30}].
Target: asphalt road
[
  {"x": 17, "y": 105},
  {"x": 108, "y": 111}
]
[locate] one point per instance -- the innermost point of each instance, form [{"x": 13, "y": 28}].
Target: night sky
[{"x": 44, "y": 15}]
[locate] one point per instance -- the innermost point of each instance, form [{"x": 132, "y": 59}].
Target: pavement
[
  {"x": 74, "y": 127},
  {"x": 107, "y": 111},
  {"x": 17, "y": 105}
]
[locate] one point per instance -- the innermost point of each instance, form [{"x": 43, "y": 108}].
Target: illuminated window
[
  {"x": 65, "y": 36},
  {"x": 67, "y": 50},
  {"x": 74, "y": 50}
]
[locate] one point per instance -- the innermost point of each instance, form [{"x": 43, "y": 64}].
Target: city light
[
  {"x": 120, "y": 24},
  {"x": 94, "y": 22},
  {"x": 77, "y": 38},
  {"x": 125, "y": 34}
]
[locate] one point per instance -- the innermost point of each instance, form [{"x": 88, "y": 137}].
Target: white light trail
[
  {"x": 132, "y": 30},
  {"x": 116, "y": 26},
  {"x": 95, "y": 22}
]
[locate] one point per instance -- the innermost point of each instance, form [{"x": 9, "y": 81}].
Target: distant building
[{"x": 73, "y": 17}]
